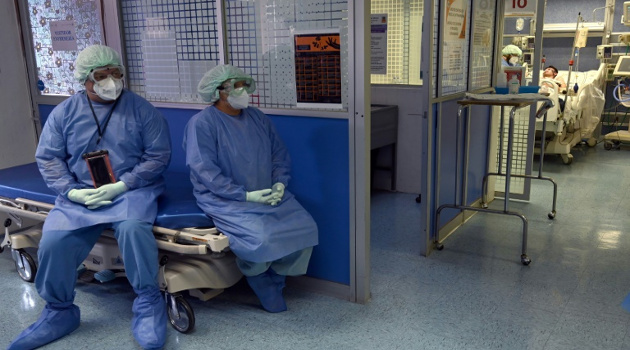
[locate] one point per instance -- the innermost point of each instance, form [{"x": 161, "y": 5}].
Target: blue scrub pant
[
  {"x": 294, "y": 264},
  {"x": 62, "y": 252}
]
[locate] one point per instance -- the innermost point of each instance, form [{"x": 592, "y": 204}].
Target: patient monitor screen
[{"x": 623, "y": 67}]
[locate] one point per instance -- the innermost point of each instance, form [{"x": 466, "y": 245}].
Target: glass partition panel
[
  {"x": 403, "y": 28},
  {"x": 169, "y": 46},
  {"x": 60, "y": 29},
  {"x": 263, "y": 39}
]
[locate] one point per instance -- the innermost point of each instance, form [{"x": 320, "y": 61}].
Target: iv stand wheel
[
  {"x": 525, "y": 260},
  {"x": 24, "y": 264},
  {"x": 551, "y": 215},
  {"x": 608, "y": 145},
  {"x": 567, "y": 158},
  {"x": 180, "y": 313}
]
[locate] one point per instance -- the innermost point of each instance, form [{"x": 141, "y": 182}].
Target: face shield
[
  {"x": 102, "y": 73},
  {"x": 236, "y": 87}
]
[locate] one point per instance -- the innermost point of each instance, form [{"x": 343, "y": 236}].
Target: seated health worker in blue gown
[
  {"x": 102, "y": 117},
  {"x": 240, "y": 168}
]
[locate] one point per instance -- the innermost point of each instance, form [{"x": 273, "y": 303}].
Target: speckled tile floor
[{"x": 474, "y": 294}]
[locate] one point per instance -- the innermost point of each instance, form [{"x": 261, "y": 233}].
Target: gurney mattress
[{"x": 177, "y": 206}]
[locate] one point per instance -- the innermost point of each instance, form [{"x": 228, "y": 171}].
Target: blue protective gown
[
  {"x": 138, "y": 140},
  {"x": 230, "y": 155}
]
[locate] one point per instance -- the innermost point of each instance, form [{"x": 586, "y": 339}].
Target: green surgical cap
[
  {"x": 511, "y": 50},
  {"x": 213, "y": 78},
  {"x": 94, "y": 56}
]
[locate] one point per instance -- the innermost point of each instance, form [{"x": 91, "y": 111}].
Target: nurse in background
[{"x": 511, "y": 55}]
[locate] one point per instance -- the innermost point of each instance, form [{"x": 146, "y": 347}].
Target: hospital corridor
[
  {"x": 321, "y": 175},
  {"x": 474, "y": 294}
]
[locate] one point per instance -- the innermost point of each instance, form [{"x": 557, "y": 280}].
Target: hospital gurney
[
  {"x": 580, "y": 119},
  {"x": 194, "y": 256}
]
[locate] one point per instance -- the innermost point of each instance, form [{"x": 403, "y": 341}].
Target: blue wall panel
[
  {"x": 447, "y": 153},
  {"x": 320, "y": 180},
  {"x": 478, "y": 151},
  {"x": 450, "y": 186}
]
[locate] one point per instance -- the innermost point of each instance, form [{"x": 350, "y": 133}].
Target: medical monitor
[
  {"x": 626, "y": 13},
  {"x": 622, "y": 69},
  {"x": 527, "y": 58}
]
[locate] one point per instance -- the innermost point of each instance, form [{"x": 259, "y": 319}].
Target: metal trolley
[{"x": 514, "y": 102}]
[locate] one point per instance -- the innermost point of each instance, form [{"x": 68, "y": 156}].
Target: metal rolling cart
[{"x": 514, "y": 102}]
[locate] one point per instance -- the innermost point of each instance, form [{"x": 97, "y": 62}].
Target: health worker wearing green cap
[{"x": 104, "y": 127}]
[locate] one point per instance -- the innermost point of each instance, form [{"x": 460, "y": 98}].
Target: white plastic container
[{"x": 514, "y": 85}]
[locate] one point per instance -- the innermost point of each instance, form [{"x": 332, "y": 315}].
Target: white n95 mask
[
  {"x": 513, "y": 60},
  {"x": 238, "y": 99},
  {"x": 108, "y": 89}
]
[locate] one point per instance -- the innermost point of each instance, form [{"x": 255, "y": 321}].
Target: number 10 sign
[{"x": 522, "y": 8}]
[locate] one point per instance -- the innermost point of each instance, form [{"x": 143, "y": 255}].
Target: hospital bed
[
  {"x": 194, "y": 256},
  {"x": 582, "y": 111}
]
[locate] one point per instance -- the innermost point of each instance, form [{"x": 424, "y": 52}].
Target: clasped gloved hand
[
  {"x": 81, "y": 195},
  {"x": 260, "y": 196},
  {"x": 277, "y": 191},
  {"x": 105, "y": 194}
]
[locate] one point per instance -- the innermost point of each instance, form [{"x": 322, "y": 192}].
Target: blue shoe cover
[
  {"x": 53, "y": 324},
  {"x": 105, "y": 276},
  {"x": 268, "y": 288},
  {"x": 626, "y": 303},
  {"x": 149, "y": 320}
]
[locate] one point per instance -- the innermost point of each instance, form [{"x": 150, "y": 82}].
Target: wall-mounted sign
[
  {"x": 378, "y": 43},
  {"x": 520, "y": 8},
  {"x": 63, "y": 36},
  {"x": 318, "y": 69}
]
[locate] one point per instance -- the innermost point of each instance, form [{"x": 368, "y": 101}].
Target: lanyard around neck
[{"x": 101, "y": 132}]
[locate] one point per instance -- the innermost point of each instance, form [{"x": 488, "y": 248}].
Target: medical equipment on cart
[
  {"x": 621, "y": 94},
  {"x": 194, "y": 256}
]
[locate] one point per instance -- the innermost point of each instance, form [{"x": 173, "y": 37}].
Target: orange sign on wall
[{"x": 318, "y": 68}]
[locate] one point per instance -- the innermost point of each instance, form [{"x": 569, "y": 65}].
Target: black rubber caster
[
  {"x": 180, "y": 313},
  {"x": 24, "y": 264}
]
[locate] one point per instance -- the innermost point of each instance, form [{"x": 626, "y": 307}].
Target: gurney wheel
[
  {"x": 24, "y": 264},
  {"x": 608, "y": 145},
  {"x": 439, "y": 246},
  {"x": 180, "y": 314},
  {"x": 567, "y": 158},
  {"x": 525, "y": 260}
]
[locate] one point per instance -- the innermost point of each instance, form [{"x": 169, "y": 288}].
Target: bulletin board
[
  {"x": 483, "y": 23},
  {"x": 318, "y": 69},
  {"x": 455, "y": 31}
]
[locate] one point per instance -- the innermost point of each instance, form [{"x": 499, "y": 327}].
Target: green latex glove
[
  {"x": 106, "y": 193},
  {"x": 260, "y": 196},
  {"x": 277, "y": 192},
  {"x": 81, "y": 195}
]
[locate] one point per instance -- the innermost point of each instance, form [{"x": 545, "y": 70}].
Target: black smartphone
[{"x": 100, "y": 168}]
